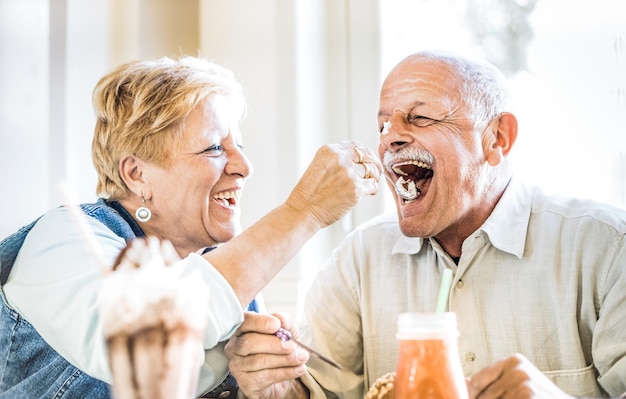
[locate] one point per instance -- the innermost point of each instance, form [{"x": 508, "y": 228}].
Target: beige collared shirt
[{"x": 544, "y": 276}]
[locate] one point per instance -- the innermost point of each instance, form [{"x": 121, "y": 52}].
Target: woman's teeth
[{"x": 228, "y": 195}]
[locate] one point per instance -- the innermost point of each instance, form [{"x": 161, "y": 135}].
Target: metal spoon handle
[{"x": 285, "y": 335}]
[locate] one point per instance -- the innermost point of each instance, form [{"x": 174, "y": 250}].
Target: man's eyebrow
[{"x": 415, "y": 104}]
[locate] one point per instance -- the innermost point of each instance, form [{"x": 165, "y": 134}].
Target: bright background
[
  {"x": 312, "y": 70},
  {"x": 570, "y": 98}
]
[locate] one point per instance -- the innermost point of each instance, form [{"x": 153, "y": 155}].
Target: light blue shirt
[{"x": 54, "y": 285}]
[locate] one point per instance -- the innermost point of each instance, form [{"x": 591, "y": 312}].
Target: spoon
[{"x": 285, "y": 335}]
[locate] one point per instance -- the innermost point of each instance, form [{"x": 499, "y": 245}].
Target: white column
[
  {"x": 24, "y": 117},
  {"x": 295, "y": 59}
]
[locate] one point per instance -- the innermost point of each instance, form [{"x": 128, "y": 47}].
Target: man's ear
[
  {"x": 132, "y": 171},
  {"x": 500, "y": 138}
]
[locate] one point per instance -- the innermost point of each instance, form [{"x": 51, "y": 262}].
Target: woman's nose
[{"x": 239, "y": 164}]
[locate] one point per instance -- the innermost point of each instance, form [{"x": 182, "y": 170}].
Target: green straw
[{"x": 444, "y": 290}]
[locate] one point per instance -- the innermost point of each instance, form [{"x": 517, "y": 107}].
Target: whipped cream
[{"x": 149, "y": 287}]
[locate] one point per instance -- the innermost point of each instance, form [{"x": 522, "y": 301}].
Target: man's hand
[
  {"x": 514, "y": 377},
  {"x": 265, "y": 366}
]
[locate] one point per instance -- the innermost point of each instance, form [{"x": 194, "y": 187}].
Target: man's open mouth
[{"x": 412, "y": 177}]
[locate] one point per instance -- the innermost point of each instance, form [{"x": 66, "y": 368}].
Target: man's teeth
[
  {"x": 228, "y": 195},
  {"x": 396, "y": 168}
]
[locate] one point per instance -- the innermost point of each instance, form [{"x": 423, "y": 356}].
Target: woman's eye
[{"x": 214, "y": 150}]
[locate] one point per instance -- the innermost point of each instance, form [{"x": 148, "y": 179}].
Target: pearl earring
[{"x": 143, "y": 213}]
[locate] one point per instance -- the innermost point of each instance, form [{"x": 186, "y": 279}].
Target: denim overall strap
[
  {"x": 9, "y": 247},
  {"x": 113, "y": 218},
  {"x": 102, "y": 212}
]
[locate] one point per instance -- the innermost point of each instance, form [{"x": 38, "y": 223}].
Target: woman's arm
[{"x": 329, "y": 188}]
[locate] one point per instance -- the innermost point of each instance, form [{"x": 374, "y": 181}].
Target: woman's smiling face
[{"x": 195, "y": 201}]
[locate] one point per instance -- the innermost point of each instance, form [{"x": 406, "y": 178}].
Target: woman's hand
[{"x": 337, "y": 178}]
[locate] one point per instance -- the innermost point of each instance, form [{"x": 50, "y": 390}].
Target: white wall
[{"x": 24, "y": 115}]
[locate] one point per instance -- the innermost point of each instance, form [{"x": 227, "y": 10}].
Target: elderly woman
[{"x": 168, "y": 152}]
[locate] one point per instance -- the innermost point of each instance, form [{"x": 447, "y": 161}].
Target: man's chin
[{"x": 411, "y": 228}]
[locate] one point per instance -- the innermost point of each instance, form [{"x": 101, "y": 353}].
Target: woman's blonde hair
[{"x": 141, "y": 108}]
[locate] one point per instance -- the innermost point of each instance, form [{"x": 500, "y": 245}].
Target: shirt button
[
  {"x": 459, "y": 284},
  {"x": 224, "y": 395},
  {"x": 470, "y": 356}
]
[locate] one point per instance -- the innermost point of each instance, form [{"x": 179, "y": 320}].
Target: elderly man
[{"x": 539, "y": 287}]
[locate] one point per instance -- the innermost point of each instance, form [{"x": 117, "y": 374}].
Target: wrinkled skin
[
  {"x": 195, "y": 200},
  {"x": 333, "y": 183},
  {"x": 187, "y": 197},
  {"x": 429, "y": 122}
]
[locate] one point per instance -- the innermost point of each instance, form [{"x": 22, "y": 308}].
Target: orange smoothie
[{"x": 429, "y": 369}]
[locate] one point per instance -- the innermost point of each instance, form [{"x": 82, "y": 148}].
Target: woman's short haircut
[{"x": 141, "y": 108}]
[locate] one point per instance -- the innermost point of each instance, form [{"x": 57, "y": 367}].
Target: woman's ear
[
  {"x": 132, "y": 171},
  {"x": 500, "y": 138}
]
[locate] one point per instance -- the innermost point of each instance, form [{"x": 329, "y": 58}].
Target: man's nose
[{"x": 395, "y": 132}]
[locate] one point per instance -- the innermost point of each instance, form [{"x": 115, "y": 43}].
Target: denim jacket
[{"x": 29, "y": 367}]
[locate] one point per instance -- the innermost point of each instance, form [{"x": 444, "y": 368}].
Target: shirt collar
[
  {"x": 506, "y": 227},
  {"x": 407, "y": 245}
]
